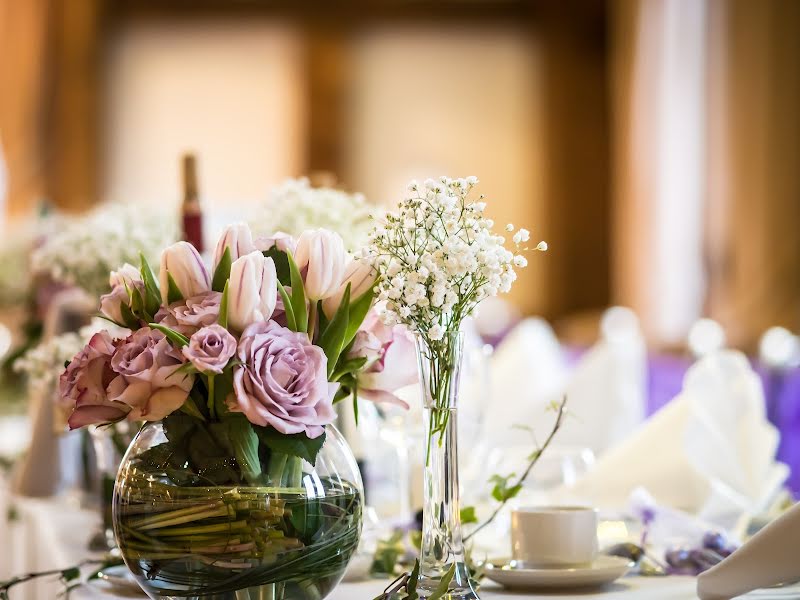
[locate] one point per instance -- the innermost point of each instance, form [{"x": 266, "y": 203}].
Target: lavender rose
[
  {"x": 283, "y": 381},
  {"x": 187, "y": 316},
  {"x": 210, "y": 349},
  {"x": 82, "y": 386},
  {"x": 145, "y": 365},
  {"x": 198, "y": 311}
]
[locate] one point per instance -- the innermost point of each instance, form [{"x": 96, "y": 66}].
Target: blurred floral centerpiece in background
[
  {"x": 437, "y": 259},
  {"x": 295, "y": 206},
  {"x": 238, "y": 482},
  {"x": 83, "y": 250}
]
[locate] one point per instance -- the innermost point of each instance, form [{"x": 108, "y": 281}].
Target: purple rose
[
  {"x": 145, "y": 365},
  {"x": 282, "y": 381},
  {"x": 210, "y": 349},
  {"x": 82, "y": 386},
  {"x": 187, "y": 316},
  {"x": 391, "y": 360},
  {"x": 198, "y": 311}
]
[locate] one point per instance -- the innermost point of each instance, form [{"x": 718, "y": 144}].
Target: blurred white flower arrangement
[
  {"x": 295, "y": 206},
  {"x": 43, "y": 364},
  {"x": 85, "y": 249},
  {"x": 15, "y": 276}
]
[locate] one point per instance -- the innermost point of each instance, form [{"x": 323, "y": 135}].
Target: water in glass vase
[
  {"x": 442, "y": 555},
  {"x": 289, "y": 541}
]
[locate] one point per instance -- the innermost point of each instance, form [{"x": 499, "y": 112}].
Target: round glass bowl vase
[{"x": 201, "y": 533}]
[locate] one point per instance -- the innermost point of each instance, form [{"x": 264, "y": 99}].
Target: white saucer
[
  {"x": 121, "y": 580},
  {"x": 774, "y": 593},
  {"x": 604, "y": 570}
]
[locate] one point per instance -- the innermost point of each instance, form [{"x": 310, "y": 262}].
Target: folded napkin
[
  {"x": 528, "y": 371},
  {"x": 52, "y": 461},
  {"x": 709, "y": 452},
  {"x": 607, "y": 391},
  {"x": 767, "y": 559}
]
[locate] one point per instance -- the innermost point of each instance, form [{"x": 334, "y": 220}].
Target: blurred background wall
[{"x": 654, "y": 144}]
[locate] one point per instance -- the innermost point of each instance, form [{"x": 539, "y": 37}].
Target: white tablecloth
[{"x": 53, "y": 533}]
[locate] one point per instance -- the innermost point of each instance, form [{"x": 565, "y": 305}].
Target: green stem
[
  {"x": 211, "y": 409},
  {"x": 277, "y": 466},
  {"x": 312, "y": 319}
]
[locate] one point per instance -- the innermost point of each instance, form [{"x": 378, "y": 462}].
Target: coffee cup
[{"x": 553, "y": 536}]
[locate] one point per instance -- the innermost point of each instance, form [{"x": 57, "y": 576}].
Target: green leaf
[
  {"x": 185, "y": 368},
  {"x": 468, "y": 515},
  {"x": 342, "y": 393},
  {"x": 174, "y": 293},
  {"x": 175, "y": 337},
  {"x": 332, "y": 339},
  {"x": 442, "y": 589},
  {"x": 358, "y": 312},
  {"x": 501, "y": 491},
  {"x": 387, "y": 554},
  {"x": 281, "y": 260},
  {"x": 298, "y": 444},
  {"x": 298, "y": 296},
  {"x": 152, "y": 290},
  {"x": 245, "y": 447},
  {"x": 413, "y": 580},
  {"x": 307, "y": 519},
  {"x": 348, "y": 365},
  {"x": 224, "y": 387},
  {"x": 190, "y": 408},
  {"x": 223, "y": 271},
  {"x": 71, "y": 574},
  {"x": 137, "y": 302},
  {"x": 287, "y": 307},
  {"x": 223, "y": 304},
  {"x": 131, "y": 322}
]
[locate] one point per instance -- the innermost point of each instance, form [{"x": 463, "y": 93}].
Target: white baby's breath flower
[
  {"x": 510, "y": 227},
  {"x": 438, "y": 258},
  {"x": 436, "y": 332},
  {"x": 522, "y": 235},
  {"x": 541, "y": 246}
]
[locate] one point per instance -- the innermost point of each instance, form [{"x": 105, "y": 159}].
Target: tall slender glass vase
[{"x": 442, "y": 551}]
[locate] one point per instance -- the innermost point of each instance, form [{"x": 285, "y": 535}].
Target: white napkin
[
  {"x": 607, "y": 391},
  {"x": 528, "y": 371},
  {"x": 51, "y": 461},
  {"x": 768, "y": 559},
  {"x": 710, "y": 451}
]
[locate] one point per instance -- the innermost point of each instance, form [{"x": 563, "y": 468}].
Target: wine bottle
[{"x": 191, "y": 212}]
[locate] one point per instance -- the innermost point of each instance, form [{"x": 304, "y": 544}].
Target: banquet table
[{"x": 53, "y": 533}]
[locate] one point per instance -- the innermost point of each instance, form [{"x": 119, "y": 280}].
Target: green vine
[{"x": 70, "y": 577}]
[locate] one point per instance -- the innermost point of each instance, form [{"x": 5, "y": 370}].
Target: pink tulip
[
  {"x": 238, "y": 239},
  {"x": 361, "y": 277},
  {"x": 252, "y": 290},
  {"x": 183, "y": 262},
  {"x": 321, "y": 256}
]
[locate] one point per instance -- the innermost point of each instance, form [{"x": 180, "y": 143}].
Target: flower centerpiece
[
  {"x": 437, "y": 259},
  {"x": 238, "y": 486}
]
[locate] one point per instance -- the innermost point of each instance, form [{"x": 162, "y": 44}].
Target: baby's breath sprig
[{"x": 438, "y": 258}]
